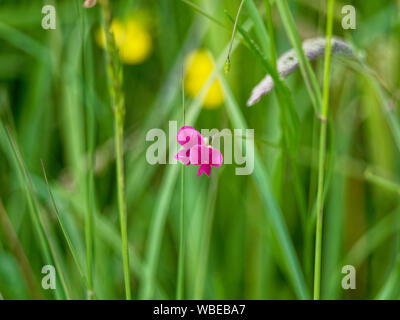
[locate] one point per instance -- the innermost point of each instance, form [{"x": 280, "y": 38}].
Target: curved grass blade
[
  {"x": 37, "y": 217},
  {"x": 305, "y": 67},
  {"x": 64, "y": 231},
  {"x": 272, "y": 212}
]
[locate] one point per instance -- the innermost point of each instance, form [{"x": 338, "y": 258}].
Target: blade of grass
[
  {"x": 18, "y": 251},
  {"x": 25, "y": 43},
  {"x": 259, "y": 27},
  {"x": 322, "y": 153},
  {"x": 344, "y": 129},
  {"x": 204, "y": 246},
  {"x": 146, "y": 290},
  {"x": 383, "y": 92},
  {"x": 228, "y": 57},
  {"x": 90, "y": 128},
  {"x": 63, "y": 229},
  {"x": 38, "y": 219},
  {"x": 374, "y": 237},
  {"x": 103, "y": 228},
  {"x": 271, "y": 35},
  {"x": 181, "y": 262},
  {"x": 204, "y": 13},
  {"x": 381, "y": 181},
  {"x": 305, "y": 66},
  {"x": 389, "y": 289},
  {"x": 273, "y": 213},
  {"x": 114, "y": 72},
  {"x": 289, "y": 118}
]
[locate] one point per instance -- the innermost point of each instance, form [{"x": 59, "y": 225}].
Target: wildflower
[
  {"x": 196, "y": 152},
  {"x": 199, "y": 66},
  {"x": 131, "y": 38}
]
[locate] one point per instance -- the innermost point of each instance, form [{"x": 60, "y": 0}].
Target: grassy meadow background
[{"x": 246, "y": 237}]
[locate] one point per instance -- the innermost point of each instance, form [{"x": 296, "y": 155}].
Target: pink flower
[{"x": 196, "y": 152}]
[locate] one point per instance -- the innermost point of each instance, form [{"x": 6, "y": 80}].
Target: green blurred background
[{"x": 55, "y": 106}]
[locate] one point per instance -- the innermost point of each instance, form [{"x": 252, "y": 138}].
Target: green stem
[
  {"x": 381, "y": 181},
  {"x": 89, "y": 215},
  {"x": 181, "y": 262},
  {"x": 114, "y": 72},
  {"x": 119, "y": 136},
  {"x": 322, "y": 153},
  {"x": 63, "y": 228},
  {"x": 259, "y": 27},
  {"x": 181, "y": 266},
  {"x": 271, "y": 35},
  {"x": 228, "y": 58},
  {"x": 305, "y": 66},
  {"x": 202, "y": 12}
]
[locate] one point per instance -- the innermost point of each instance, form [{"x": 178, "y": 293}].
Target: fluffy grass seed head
[
  {"x": 132, "y": 40},
  {"x": 199, "y": 66}
]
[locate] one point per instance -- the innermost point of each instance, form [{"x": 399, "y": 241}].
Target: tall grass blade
[
  {"x": 273, "y": 213},
  {"x": 38, "y": 219},
  {"x": 305, "y": 66},
  {"x": 322, "y": 153}
]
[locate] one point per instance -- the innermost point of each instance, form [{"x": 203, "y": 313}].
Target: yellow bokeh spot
[
  {"x": 131, "y": 38},
  {"x": 199, "y": 66}
]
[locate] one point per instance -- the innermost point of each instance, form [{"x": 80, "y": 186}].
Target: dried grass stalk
[{"x": 288, "y": 63}]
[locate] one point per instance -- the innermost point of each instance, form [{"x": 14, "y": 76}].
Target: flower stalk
[
  {"x": 115, "y": 77},
  {"x": 322, "y": 152}
]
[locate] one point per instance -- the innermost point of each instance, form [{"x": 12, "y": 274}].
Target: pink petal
[
  {"x": 202, "y": 154},
  {"x": 216, "y": 157},
  {"x": 204, "y": 168},
  {"x": 189, "y": 137},
  {"x": 183, "y": 156},
  {"x": 199, "y": 154}
]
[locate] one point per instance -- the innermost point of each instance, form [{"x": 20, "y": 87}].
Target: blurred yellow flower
[
  {"x": 199, "y": 66},
  {"x": 132, "y": 39}
]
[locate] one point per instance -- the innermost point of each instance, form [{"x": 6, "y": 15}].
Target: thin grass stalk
[
  {"x": 375, "y": 237},
  {"x": 271, "y": 35},
  {"x": 259, "y": 28},
  {"x": 181, "y": 263},
  {"x": 228, "y": 58},
  {"x": 204, "y": 13},
  {"x": 305, "y": 66},
  {"x": 289, "y": 118},
  {"x": 181, "y": 270},
  {"x": 16, "y": 248},
  {"x": 273, "y": 213},
  {"x": 63, "y": 229},
  {"x": 13, "y": 159},
  {"x": 90, "y": 119},
  {"x": 37, "y": 217},
  {"x": 114, "y": 72},
  {"x": 322, "y": 153},
  {"x": 390, "y": 288},
  {"x": 206, "y": 233}
]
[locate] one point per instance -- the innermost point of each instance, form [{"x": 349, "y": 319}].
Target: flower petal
[
  {"x": 189, "y": 137},
  {"x": 216, "y": 157},
  {"x": 183, "y": 156},
  {"x": 204, "y": 168}
]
